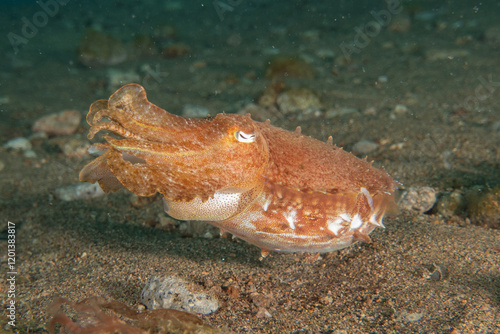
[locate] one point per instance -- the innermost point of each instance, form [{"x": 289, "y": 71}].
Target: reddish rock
[{"x": 63, "y": 123}]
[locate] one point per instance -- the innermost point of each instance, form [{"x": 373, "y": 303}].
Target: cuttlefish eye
[{"x": 245, "y": 137}]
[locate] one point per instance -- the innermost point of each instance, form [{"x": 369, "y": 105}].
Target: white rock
[
  {"x": 364, "y": 147},
  {"x": 18, "y": 144},
  {"x": 79, "y": 191},
  {"x": 175, "y": 293},
  {"x": 420, "y": 199}
]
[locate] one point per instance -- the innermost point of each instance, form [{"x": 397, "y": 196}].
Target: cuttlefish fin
[{"x": 99, "y": 171}]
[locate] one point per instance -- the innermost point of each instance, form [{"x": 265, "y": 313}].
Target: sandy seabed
[{"x": 447, "y": 138}]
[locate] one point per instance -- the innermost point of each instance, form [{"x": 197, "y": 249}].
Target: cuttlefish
[{"x": 276, "y": 189}]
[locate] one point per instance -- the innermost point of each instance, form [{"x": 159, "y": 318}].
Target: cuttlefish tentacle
[
  {"x": 128, "y": 126},
  {"x": 276, "y": 189},
  {"x": 113, "y": 127}
]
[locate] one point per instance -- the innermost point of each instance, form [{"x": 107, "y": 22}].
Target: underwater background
[{"x": 413, "y": 86}]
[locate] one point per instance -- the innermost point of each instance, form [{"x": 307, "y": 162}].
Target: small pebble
[
  {"x": 438, "y": 272},
  {"x": 325, "y": 53},
  {"x": 175, "y": 293},
  {"x": 18, "y": 144},
  {"x": 263, "y": 313},
  {"x": 482, "y": 206},
  {"x": 79, "y": 191},
  {"x": 400, "y": 24},
  {"x": 21, "y": 144},
  {"x": 370, "y": 111},
  {"x": 364, "y": 147},
  {"x": 74, "y": 146},
  {"x": 62, "y": 123},
  {"x": 382, "y": 79},
  {"x": 341, "y": 111},
  {"x": 260, "y": 300},
  {"x": 30, "y": 154},
  {"x": 450, "y": 204},
  {"x": 301, "y": 101},
  {"x": 400, "y": 109},
  {"x": 412, "y": 317},
  {"x": 420, "y": 199}
]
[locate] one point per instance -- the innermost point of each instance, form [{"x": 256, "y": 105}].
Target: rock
[
  {"x": 437, "y": 272},
  {"x": 311, "y": 35},
  {"x": 400, "y": 109},
  {"x": 412, "y": 317},
  {"x": 261, "y": 300},
  {"x": 175, "y": 293},
  {"x": 197, "y": 229},
  {"x": 482, "y": 206},
  {"x": 325, "y": 53},
  {"x": 299, "y": 100},
  {"x": 450, "y": 204},
  {"x": 100, "y": 49},
  {"x": 79, "y": 191},
  {"x": 364, "y": 147},
  {"x": 75, "y": 146},
  {"x": 62, "y": 123},
  {"x": 270, "y": 94},
  {"x": 401, "y": 23},
  {"x": 18, "y": 144},
  {"x": 284, "y": 66},
  {"x": 420, "y": 199},
  {"x": 340, "y": 111},
  {"x": 263, "y": 313},
  {"x": 176, "y": 50}
]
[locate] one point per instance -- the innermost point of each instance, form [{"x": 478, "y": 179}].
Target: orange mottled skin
[{"x": 276, "y": 189}]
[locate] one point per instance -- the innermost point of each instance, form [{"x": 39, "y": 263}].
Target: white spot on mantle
[
  {"x": 356, "y": 222},
  {"x": 335, "y": 225},
  {"x": 290, "y": 218}
]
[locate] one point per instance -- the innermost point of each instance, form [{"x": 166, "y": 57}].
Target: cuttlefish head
[{"x": 189, "y": 161}]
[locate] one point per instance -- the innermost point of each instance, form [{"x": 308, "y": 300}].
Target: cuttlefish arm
[{"x": 180, "y": 158}]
